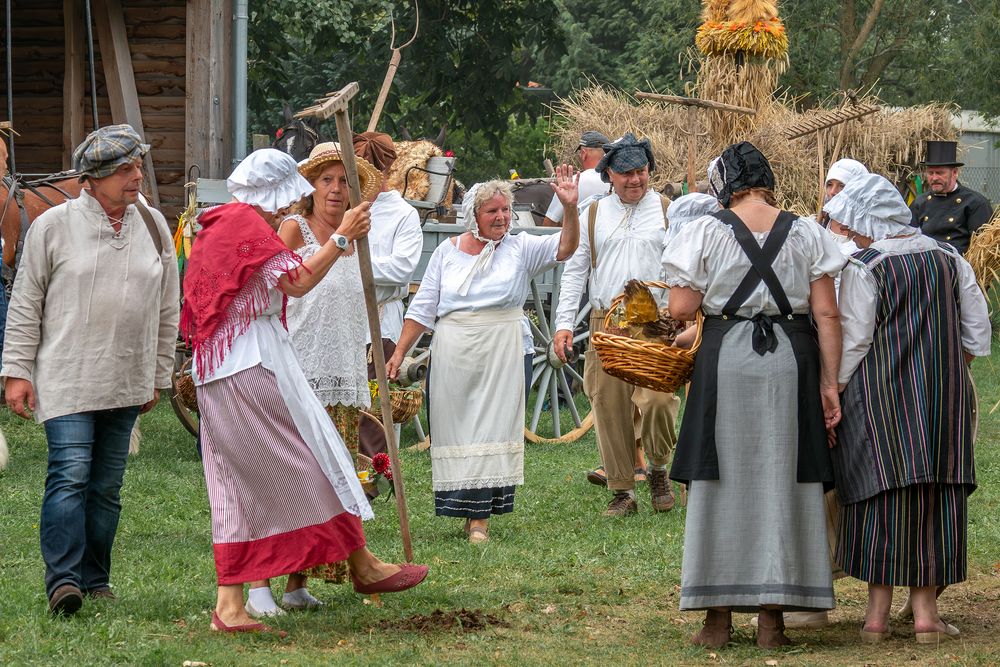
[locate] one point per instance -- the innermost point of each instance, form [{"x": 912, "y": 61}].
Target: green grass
[{"x": 570, "y": 586}]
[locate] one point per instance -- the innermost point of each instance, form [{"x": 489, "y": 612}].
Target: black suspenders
[{"x": 761, "y": 260}]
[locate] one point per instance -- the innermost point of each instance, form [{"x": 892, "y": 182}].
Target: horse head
[{"x": 297, "y": 137}]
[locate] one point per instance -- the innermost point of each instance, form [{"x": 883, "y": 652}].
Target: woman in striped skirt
[
  {"x": 913, "y": 318},
  {"x": 282, "y": 487}
]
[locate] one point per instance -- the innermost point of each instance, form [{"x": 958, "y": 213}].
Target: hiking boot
[
  {"x": 716, "y": 631},
  {"x": 660, "y": 490},
  {"x": 622, "y": 504}
]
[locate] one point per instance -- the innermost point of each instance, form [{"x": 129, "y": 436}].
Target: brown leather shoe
[
  {"x": 101, "y": 594},
  {"x": 659, "y": 489},
  {"x": 622, "y": 504},
  {"x": 771, "y": 629},
  {"x": 65, "y": 600},
  {"x": 716, "y": 631}
]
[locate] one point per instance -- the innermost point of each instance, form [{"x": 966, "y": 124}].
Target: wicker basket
[
  {"x": 405, "y": 404},
  {"x": 643, "y": 363},
  {"x": 184, "y": 386}
]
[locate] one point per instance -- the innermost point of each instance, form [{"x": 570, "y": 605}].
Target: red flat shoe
[
  {"x": 407, "y": 577},
  {"x": 219, "y": 626}
]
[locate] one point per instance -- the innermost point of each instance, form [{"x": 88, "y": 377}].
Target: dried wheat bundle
[
  {"x": 984, "y": 252},
  {"x": 412, "y": 154}
]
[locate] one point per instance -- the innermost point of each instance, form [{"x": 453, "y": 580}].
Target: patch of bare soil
[{"x": 462, "y": 620}]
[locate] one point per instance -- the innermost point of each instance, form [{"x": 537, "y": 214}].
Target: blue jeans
[{"x": 87, "y": 453}]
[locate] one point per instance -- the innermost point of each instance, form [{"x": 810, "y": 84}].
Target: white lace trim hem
[{"x": 483, "y": 483}]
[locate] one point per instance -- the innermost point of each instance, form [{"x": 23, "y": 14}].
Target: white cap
[
  {"x": 268, "y": 178},
  {"x": 846, "y": 170},
  {"x": 688, "y": 208}
]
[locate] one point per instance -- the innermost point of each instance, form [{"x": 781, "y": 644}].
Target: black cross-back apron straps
[
  {"x": 696, "y": 456},
  {"x": 761, "y": 270}
]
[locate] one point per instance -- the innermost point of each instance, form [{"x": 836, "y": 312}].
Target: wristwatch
[{"x": 340, "y": 241}]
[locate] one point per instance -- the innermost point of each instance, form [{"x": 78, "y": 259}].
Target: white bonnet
[
  {"x": 846, "y": 170},
  {"x": 688, "y": 208},
  {"x": 871, "y": 206},
  {"x": 268, "y": 178}
]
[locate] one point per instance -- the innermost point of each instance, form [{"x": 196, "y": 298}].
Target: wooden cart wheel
[
  {"x": 557, "y": 411},
  {"x": 187, "y": 417}
]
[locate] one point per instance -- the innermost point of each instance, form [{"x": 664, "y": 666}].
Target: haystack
[
  {"x": 743, "y": 52},
  {"x": 412, "y": 154},
  {"x": 984, "y": 253}
]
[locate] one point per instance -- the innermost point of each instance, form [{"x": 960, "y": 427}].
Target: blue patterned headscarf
[{"x": 625, "y": 154}]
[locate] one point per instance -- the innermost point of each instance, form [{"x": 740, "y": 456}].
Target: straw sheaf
[
  {"x": 887, "y": 142},
  {"x": 412, "y": 154},
  {"x": 984, "y": 252}
]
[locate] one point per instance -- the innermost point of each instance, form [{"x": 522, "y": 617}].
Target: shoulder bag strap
[{"x": 154, "y": 231}]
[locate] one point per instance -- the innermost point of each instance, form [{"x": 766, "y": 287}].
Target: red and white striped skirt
[{"x": 273, "y": 509}]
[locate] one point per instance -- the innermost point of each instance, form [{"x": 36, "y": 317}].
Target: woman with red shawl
[{"x": 281, "y": 484}]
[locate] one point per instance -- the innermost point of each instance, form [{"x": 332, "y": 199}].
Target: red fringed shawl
[{"x": 227, "y": 280}]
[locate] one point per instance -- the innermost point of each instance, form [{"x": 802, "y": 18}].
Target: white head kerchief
[
  {"x": 871, "y": 206},
  {"x": 688, "y": 208},
  {"x": 485, "y": 258},
  {"x": 846, "y": 170},
  {"x": 268, "y": 178}
]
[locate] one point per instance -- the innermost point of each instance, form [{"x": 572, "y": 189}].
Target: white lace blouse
[
  {"x": 706, "y": 257},
  {"x": 505, "y": 284},
  {"x": 328, "y": 327}
]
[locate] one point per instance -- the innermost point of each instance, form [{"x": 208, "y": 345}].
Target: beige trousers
[{"x": 624, "y": 415}]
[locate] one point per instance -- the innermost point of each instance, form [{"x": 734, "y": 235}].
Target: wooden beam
[
  {"x": 74, "y": 79},
  {"x": 694, "y": 102},
  {"x": 119, "y": 77},
  {"x": 209, "y": 85}
]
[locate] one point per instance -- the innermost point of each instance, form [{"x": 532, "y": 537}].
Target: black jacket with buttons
[{"x": 953, "y": 217}]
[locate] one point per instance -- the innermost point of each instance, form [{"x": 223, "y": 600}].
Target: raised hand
[{"x": 566, "y": 184}]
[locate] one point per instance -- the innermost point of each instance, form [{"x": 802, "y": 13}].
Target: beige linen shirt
[{"x": 93, "y": 316}]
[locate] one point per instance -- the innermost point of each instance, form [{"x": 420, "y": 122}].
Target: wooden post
[
  {"x": 119, "y": 78},
  {"x": 209, "y": 75},
  {"x": 336, "y": 106},
  {"x": 73, "y": 80},
  {"x": 693, "y": 104}
]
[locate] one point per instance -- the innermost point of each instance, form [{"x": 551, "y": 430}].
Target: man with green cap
[{"x": 90, "y": 339}]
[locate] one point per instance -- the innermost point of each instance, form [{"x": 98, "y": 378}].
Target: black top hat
[{"x": 942, "y": 154}]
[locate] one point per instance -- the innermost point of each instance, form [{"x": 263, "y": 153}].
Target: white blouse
[
  {"x": 518, "y": 259},
  {"x": 706, "y": 257},
  {"x": 857, "y": 299}
]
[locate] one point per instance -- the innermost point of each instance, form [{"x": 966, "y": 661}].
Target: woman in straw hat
[
  {"x": 282, "y": 487},
  {"x": 913, "y": 317},
  {"x": 753, "y": 442},
  {"x": 328, "y": 329},
  {"x": 472, "y": 294}
]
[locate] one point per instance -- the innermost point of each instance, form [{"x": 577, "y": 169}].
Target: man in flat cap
[
  {"x": 396, "y": 241},
  {"x": 948, "y": 211},
  {"x": 589, "y": 151},
  {"x": 90, "y": 340},
  {"x": 622, "y": 239}
]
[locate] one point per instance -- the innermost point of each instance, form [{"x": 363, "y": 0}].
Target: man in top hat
[
  {"x": 589, "y": 151},
  {"x": 948, "y": 211},
  {"x": 621, "y": 238},
  {"x": 90, "y": 341}
]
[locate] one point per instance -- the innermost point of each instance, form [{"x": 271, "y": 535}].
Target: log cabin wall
[{"x": 52, "y": 111}]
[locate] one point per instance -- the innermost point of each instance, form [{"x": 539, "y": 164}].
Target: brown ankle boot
[
  {"x": 716, "y": 631},
  {"x": 771, "y": 629}
]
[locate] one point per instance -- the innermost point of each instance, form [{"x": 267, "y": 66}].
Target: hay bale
[{"x": 887, "y": 142}]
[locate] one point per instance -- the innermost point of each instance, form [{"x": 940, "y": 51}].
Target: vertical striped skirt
[
  {"x": 273, "y": 509},
  {"x": 912, "y": 536}
]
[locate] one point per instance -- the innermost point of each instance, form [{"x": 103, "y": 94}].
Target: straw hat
[{"x": 369, "y": 177}]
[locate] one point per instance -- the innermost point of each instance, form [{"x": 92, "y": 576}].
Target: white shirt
[
  {"x": 396, "y": 242},
  {"x": 590, "y": 186},
  {"x": 516, "y": 261},
  {"x": 629, "y": 242},
  {"x": 857, "y": 301},
  {"x": 706, "y": 257}
]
